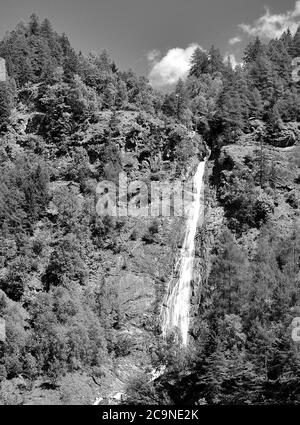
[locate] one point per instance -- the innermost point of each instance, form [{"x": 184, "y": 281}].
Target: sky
[{"x": 156, "y": 38}]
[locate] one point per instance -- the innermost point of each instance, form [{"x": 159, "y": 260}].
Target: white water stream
[{"x": 175, "y": 309}]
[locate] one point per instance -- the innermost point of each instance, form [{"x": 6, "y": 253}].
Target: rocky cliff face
[
  {"x": 277, "y": 171},
  {"x": 273, "y": 174},
  {"x": 206, "y": 236},
  {"x": 136, "y": 261},
  {"x": 139, "y": 272},
  {"x": 132, "y": 258}
]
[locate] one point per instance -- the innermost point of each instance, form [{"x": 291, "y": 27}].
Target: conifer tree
[
  {"x": 256, "y": 105},
  {"x": 229, "y": 275},
  {"x": 34, "y": 25},
  {"x": 199, "y": 63},
  {"x": 253, "y": 51},
  {"x": 287, "y": 40},
  {"x": 46, "y": 28},
  {"x": 181, "y": 97},
  {"x": 6, "y": 101},
  {"x": 281, "y": 60},
  {"x": 215, "y": 60},
  {"x": 295, "y": 48}
]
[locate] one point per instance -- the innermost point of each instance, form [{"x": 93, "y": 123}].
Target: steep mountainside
[{"x": 81, "y": 287}]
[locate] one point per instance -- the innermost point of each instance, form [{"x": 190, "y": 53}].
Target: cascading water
[{"x": 175, "y": 310}]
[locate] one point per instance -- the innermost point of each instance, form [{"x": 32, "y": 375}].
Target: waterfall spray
[{"x": 175, "y": 310}]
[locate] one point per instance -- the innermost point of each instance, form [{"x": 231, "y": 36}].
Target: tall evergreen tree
[
  {"x": 295, "y": 48},
  {"x": 287, "y": 40},
  {"x": 6, "y": 100},
  {"x": 280, "y": 59},
  {"x": 215, "y": 60},
  {"x": 34, "y": 25},
  {"x": 253, "y": 51},
  {"x": 199, "y": 63},
  {"x": 181, "y": 97},
  {"x": 46, "y": 28}
]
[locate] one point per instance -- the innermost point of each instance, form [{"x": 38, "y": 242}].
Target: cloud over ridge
[
  {"x": 272, "y": 25},
  {"x": 173, "y": 65}
]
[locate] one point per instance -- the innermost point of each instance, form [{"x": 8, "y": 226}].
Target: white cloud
[
  {"x": 273, "y": 25},
  {"x": 232, "y": 59},
  {"x": 234, "y": 40},
  {"x": 174, "y": 65}
]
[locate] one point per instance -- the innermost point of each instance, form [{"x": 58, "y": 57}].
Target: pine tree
[
  {"x": 241, "y": 88},
  {"x": 253, "y": 51},
  {"x": 15, "y": 49},
  {"x": 256, "y": 105},
  {"x": 104, "y": 64},
  {"x": 46, "y": 28},
  {"x": 215, "y": 60},
  {"x": 214, "y": 376},
  {"x": 295, "y": 48},
  {"x": 287, "y": 40},
  {"x": 169, "y": 106},
  {"x": 229, "y": 275},
  {"x": 181, "y": 97},
  {"x": 109, "y": 95},
  {"x": 6, "y": 102},
  {"x": 263, "y": 76},
  {"x": 121, "y": 97},
  {"x": 281, "y": 60},
  {"x": 70, "y": 65},
  {"x": 65, "y": 44},
  {"x": 228, "y": 73},
  {"x": 34, "y": 25},
  {"x": 199, "y": 63},
  {"x": 42, "y": 64},
  {"x": 273, "y": 120},
  {"x": 231, "y": 112}
]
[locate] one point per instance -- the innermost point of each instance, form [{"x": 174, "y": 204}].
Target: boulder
[{"x": 288, "y": 134}]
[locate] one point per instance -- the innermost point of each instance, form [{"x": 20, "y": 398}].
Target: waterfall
[{"x": 175, "y": 310}]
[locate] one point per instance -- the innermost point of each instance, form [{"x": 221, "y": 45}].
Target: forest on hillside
[{"x": 68, "y": 121}]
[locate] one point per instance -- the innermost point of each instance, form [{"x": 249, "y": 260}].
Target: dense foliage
[{"x": 67, "y": 121}]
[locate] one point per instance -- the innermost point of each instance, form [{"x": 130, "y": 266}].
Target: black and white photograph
[{"x": 149, "y": 206}]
